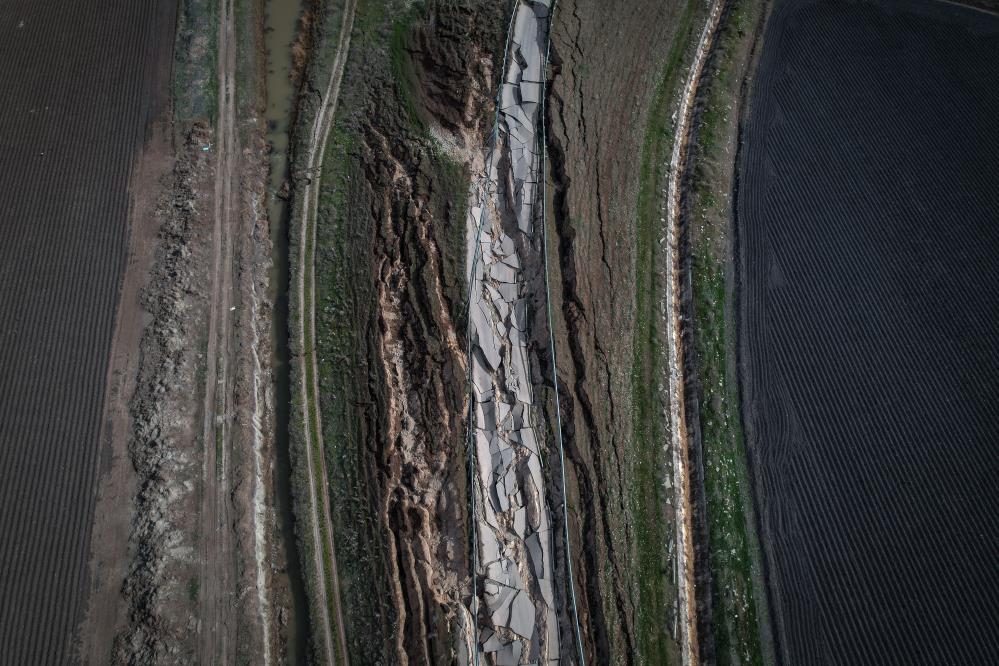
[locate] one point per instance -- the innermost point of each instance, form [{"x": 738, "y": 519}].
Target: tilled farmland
[
  {"x": 868, "y": 223},
  {"x": 81, "y": 81}
]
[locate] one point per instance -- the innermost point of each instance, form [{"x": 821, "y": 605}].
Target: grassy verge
[
  {"x": 317, "y": 453},
  {"x": 734, "y": 555},
  {"x": 349, "y": 385},
  {"x": 656, "y": 587},
  {"x": 725, "y": 474},
  {"x": 302, "y": 241},
  {"x": 195, "y": 80}
]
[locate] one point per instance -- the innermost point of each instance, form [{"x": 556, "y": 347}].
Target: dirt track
[
  {"x": 217, "y": 575},
  {"x": 313, "y": 428}
]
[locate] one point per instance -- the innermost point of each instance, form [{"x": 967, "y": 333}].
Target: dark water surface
[
  {"x": 281, "y": 26},
  {"x": 868, "y": 260}
]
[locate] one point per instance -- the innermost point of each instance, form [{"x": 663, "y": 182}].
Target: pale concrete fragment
[
  {"x": 508, "y": 96},
  {"x": 537, "y": 555},
  {"x": 502, "y": 460},
  {"x": 481, "y": 378},
  {"x": 525, "y": 27},
  {"x": 520, "y": 376},
  {"x": 507, "y": 246},
  {"x": 487, "y": 251},
  {"x": 522, "y": 615},
  {"x": 509, "y": 655},
  {"x": 533, "y": 466},
  {"x": 485, "y": 412},
  {"x": 528, "y": 440},
  {"x": 493, "y": 643},
  {"x": 502, "y": 273},
  {"x": 520, "y": 313},
  {"x": 490, "y": 551},
  {"x": 553, "y": 645},
  {"x": 497, "y": 572},
  {"x": 520, "y": 521},
  {"x": 503, "y": 501},
  {"x": 520, "y": 117},
  {"x": 503, "y": 411},
  {"x": 546, "y": 591},
  {"x": 510, "y": 481},
  {"x": 512, "y": 260}
]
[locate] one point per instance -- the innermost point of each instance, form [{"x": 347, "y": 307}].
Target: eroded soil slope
[
  {"x": 389, "y": 282},
  {"x": 612, "y": 113},
  {"x": 414, "y": 115}
]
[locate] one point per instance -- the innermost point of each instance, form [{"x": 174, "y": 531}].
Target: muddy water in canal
[{"x": 281, "y": 25}]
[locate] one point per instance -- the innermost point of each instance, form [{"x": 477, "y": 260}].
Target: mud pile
[{"x": 159, "y": 447}]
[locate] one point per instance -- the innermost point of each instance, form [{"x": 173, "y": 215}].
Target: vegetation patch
[
  {"x": 195, "y": 87},
  {"x": 734, "y": 554},
  {"x": 656, "y": 582}
]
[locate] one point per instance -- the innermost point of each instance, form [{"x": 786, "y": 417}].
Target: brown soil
[
  {"x": 599, "y": 101},
  {"x": 174, "y": 555},
  {"x": 114, "y": 511}
]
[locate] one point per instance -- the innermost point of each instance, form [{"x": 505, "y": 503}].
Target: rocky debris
[{"x": 519, "y": 622}]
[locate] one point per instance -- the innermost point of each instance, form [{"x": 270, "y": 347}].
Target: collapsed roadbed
[{"x": 513, "y": 527}]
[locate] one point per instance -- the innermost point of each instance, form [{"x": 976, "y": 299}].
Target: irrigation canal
[{"x": 281, "y": 22}]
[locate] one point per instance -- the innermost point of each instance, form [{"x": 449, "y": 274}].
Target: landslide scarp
[
  {"x": 389, "y": 283},
  {"x": 391, "y": 266}
]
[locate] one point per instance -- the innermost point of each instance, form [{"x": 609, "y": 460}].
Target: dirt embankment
[
  {"x": 163, "y": 583},
  {"x": 389, "y": 309},
  {"x": 153, "y": 609},
  {"x": 600, "y": 101},
  {"x": 166, "y": 473}
]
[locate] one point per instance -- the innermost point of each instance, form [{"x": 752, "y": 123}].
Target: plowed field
[
  {"x": 80, "y": 81},
  {"x": 868, "y": 222}
]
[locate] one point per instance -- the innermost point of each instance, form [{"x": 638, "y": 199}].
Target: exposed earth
[{"x": 533, "y": 332}]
